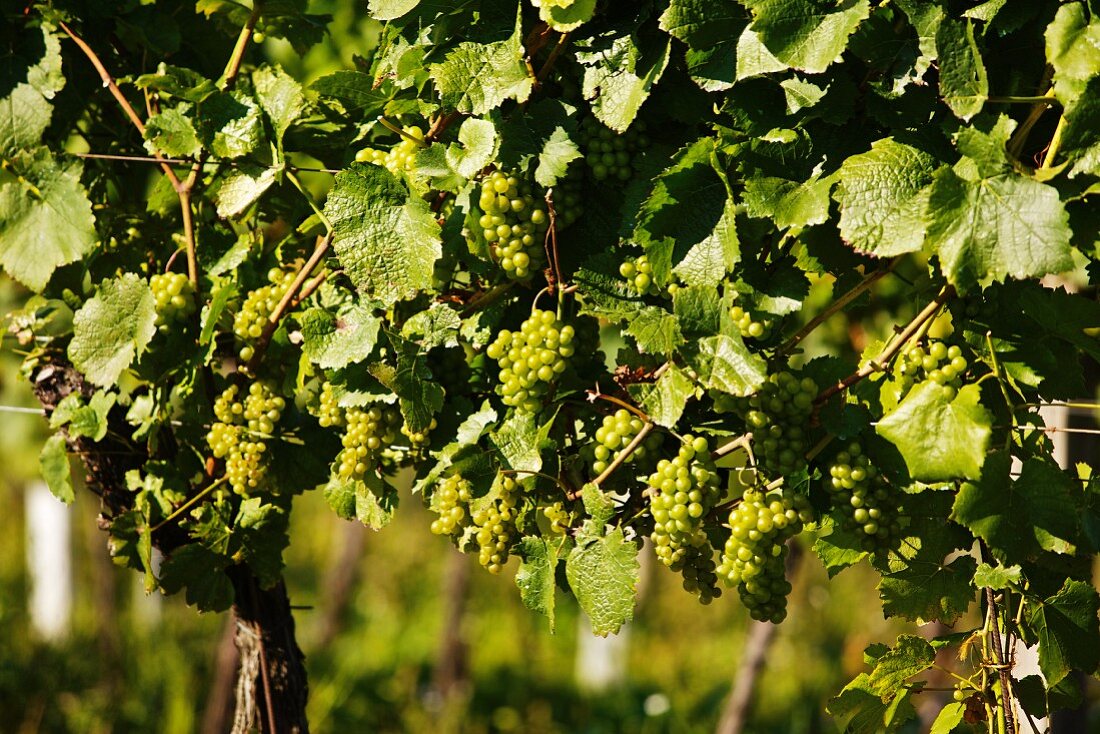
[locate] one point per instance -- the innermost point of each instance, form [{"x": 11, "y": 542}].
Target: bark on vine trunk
[{"x": 271, "y": 680}]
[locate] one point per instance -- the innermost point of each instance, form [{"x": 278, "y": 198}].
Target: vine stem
[
  {"x": 394, "y": 128},
  {"x": 233, "y": 66},
  {"x": 1002, "y": 670},
  {"x": 488, "y": 298},
  {"x": 1052, "y": 149},
  {"x": 563, "y": 39},
  {"x": 925, "y": 315},
  {"x": 624, "y": 454},
  {"x": 594, "y": 394},
  {"x": 551, "y": 241},
  {"x": 731, "y": 446},
  {"x": 187, "y": 162},
  {"x": 309, "y": 199},
  {"x": 839, "y": 304},
  {"x": 187, "y": 505},
  {"x": 1039, "y": 100},
  {"x": 441, "y": 124}
]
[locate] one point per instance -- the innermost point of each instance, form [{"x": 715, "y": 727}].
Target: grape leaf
[
  {"x": 664, "y": 400},
  {"x": 808, "y": 35},
  {"x": 789, "y": 203},
  {"x": 1068, "y": 634},
  {"x": 419, "y": 396},
  {"x": 565, "y": 15},
  {"x": 859, "y": 710},
  {"x": 655, "y": 330},
  {"x": 964, "y": 85},
  {"x": 280, "y": 97},
  {"x": 881, "y": 198},
  {"x": 536, "y": 575},
  {"x": 45, "y": 218},
  {"x": 1073, "y": 49},
  {"x": 753, "y": 57},
  {"x": 229, "y": 124},
  {"x": 518, "y": 438},
  {"x": 940, "y": 438},
  {"x": 544, "y": 135},
  {"x": 355, "y": 90},
  {"x": 367, "y": 500},
  {"x": 202, "y": 573},
  {"x": 838, "y": 549},
  {"x": 725, "y": 364},
  {"x": 390, "y": 9},
  {"x": 925, "y": 588},
  {"x": 710, "y": 28},
  {"x": 910, "y": 656},
  {"x": 172, "y": 133},
  {"x": 948, "y": 718},
  {"x": 53, "y": 461},
  {"x": 176, "y": 81},
  {"x": 387, "y": 240},
  {"x": 30, "y": 76},
  {"x": 475, "y": 78},
  {"x": 996, "y": 577},
  {"x": 603, "y": 574},
  {"x": 261, "y": 530},
  {"x": 113, "y": 328},
  {"x": 243, "y": 187},
  {"x": 618, "y": 77},
  {"x": 335, "y": 341}
]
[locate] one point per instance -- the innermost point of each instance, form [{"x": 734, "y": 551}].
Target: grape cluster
[
  {"x": 249, "y": 322},
  {"x": 496, "y": 525},
  {"x": 514, "y": 223},
  {"x": 749, "y": 327},
  {"x": 869, "y": 503},
  {"x": 401, "y": 157},
  {"x": 559, "y": 517},
  {"x": 612, "y": 437},
  {"x": 639, "y": 274},
  {"x": 241, "y": 432},
  {"x": 175, "y": 299},
  {"x": 418, "y": 440},
  {"x": 531, "y": 359},
  {"x": 609, "y": 155},
  {"x": 369, "y": 431},
  {"x": 939, "y": 363},
  {"x": 682, "y": 491},
  {"x": 754, "y": 557},
  {"x": 568, "y": 197},
  {"x": 778, "y": 416},
  {"x": 328, "y": 411},
  {"x": 451, "y": 500}
]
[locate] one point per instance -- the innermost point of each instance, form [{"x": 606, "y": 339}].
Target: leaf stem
[
  {"x": 563, "y": 39},
  {"x": 593, "y": 395},
  {"x": 624, "y": 454},
  {"x": 233, "y": 66},
  {"x": 1040, "y": 100},
  {"x": 394, "y": 128},
  {"x": 188, "y": 504},
  {"x": 309, "y": 199},
  {"x": 1055, "y": 144}
]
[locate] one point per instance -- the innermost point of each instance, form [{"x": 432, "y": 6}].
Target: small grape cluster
[
  {"x": 682, "y": 491},
  {"x": 418, "y": 440},
  {"x": 559, "y": 517},
  {"x": 451, "y": 499},
  {"x": 328, "y": 410},
  {"x": 241, "y": 432},
  {"x": 639, "y": 274},
  {"x": 778, "y": 415},
  {"x": 401, "y": 157},
  {"x": 250, "y": 321},
  {"x": 175, "y": 299},
  {"x": 568, "y": 197},
  {"x": 609, "y": 155},
  {"x": 749, "y": 327},
  {"x": 531, "y": 359},
  {"x": 369, "y": 431},
  {"x": 496, "y": 525},
  {"x": 612, "y": 437},
  {"x": 513, "y": 223},
  {"x": 942, "y": 364},
  {"x": 754, "y": 557},
  {"x": 869, "y": 502}
]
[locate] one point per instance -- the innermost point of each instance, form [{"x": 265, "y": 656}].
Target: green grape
[
  {"x": 560, "y": 518},
  {"x": 329, "y": 412},
  {"x": 250, "y": 321},
  {"x": 418, "y": 440},
  {"x": 452, "y": 501},
  {"x": 639, "y": 274},
  {"x": 241, "y": 432},
  {"x": 749, "y": 327},
  {"x": 612, "y": 437},
  {"x": 496, "y": 525},
  {"x": 401, "y": 157},
  {"x": 368, "y": 432},
  {"x": 610, "y": 156},
  {"x": 869, "y": 503},
  {"x": 531, "y": 359},
  {"x": 939, "y": 363},
  {"x": 682, "y": 491},
  {"x": 514, "y": 223},
  {"x": 754, "y": 556},
  {"x": 778, "y": 416},
  {"x": 175, "y": 299},
  {"x": 568, "y": 198}
]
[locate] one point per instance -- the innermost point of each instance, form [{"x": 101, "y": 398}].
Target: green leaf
[
  {"x": 355, "y": 90},
  {"x": 754, "y": 58},
  {"x": 243, "y": 187},
  {"x": 710, "y": 28},
  {"x": 963, "y": 82},
  {"x": 542, "y": 136},
  {"x": 229, "y": 125},
  {"x": 996, "y": 577},
  {"x": 789, "y": 203},
  {"x": 54, "y": 464},
  {"x": 475, "y": 78},
  {"x": 948, "y": 718},
  {"x": 537, "y": 569},
  {"x": 387, "y": 240},
  {"x": 1073, "y": 49},
  {"x": 808, "y": 35},
  {"x": 1018, "y": 519},
  {"x": 618, "y": 77},
  {"x": 927, "y": 589},
  {"x": 939, "y": 437},
  {"x": 113, "y": 328},
  {"x": 434, "y": 327},
  {"x": 565, "y": 15},
  {"x": 911, "y": 656},
  {"x": 600, "y": 508},
  {"x": 45, "y": 218},
  {"x": 367, "y": 500},
  {"x": 202, "y": 573},
  {"x": 858, "y": 710},
  {"x": 390, "y": 9},
  {"x": 664, "y": 400},
  {"x": 30, "y": 73},
  {"x": 91, "y": 420},
  {"x": 725, "y": 364},
  {"x": 261, "y": 529},
  {"x": 518, "y": 438},
  {"x": 334, "y": 341},
  {"x": 839, "y": 549},
  {"x": 280, "y": 97},
  {"x": 603, "y": 574},
  {"x": 881, "y": 200},
  {"x": 172, "y": 133},
  {"x": 175, "y": 81},
  {"x": 656, "y": 331},
  {"x": 1067, "y": 627}
]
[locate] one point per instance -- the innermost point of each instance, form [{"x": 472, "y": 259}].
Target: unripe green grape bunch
[
  {"x": 328, "y": 410},
  {"x": 250, "y": 321},
  {"x": 682, "y": 491},
  {"x": 778, "y": 416},
  {"x": 939, "y": 363},
  {"x": 451, "y": 502},
  {"x": 496, "y": 525},
  {"x": 368, "y": 432},
  {"x": 241, "y": 432},
  {"x": 867, "y": 501},
  {"x": 174, "y": 299},
  {"x": 568, "y": 198},
  {"x": 612, "y": 438},
  {"x": 401, "y": 157},
  {"x": 514, "y": 223},
  {"x": 531, "y": 359},
  {"x": 609, "y": 155},
  {"x": 639, "y": 274},
  {"x": 749, "y": 327},
  {"x": 559, "y": 518},
  {"x": 754, "y": 557}
]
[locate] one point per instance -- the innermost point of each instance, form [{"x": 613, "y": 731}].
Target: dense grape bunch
[
  {"x": 242, "y": 431},
  {"x": 639, "y": 274},
  {"x": 939, "y": 363},
  {"x": 868, "y": 502},
  {"x": 750, "y": 327},
  {"x": 532, "y": 358},
  {"x": 451, "y": 502},
  {"x": 495, "y": 522},
  {"x": 175, "y": 299},
  {"x": 610, "y": 156},
  {"x": 514, "y": 223},
  {"x": 754, "y": 556},
  {"x": 778, "y": 416},
  {"x": 250, "y": 321},
  {"x": 612, "y": 437},
  {"x": 368, "y": 432},
  {"x": 401, "y": 157},
  {"x": 682, "y": 491}
]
